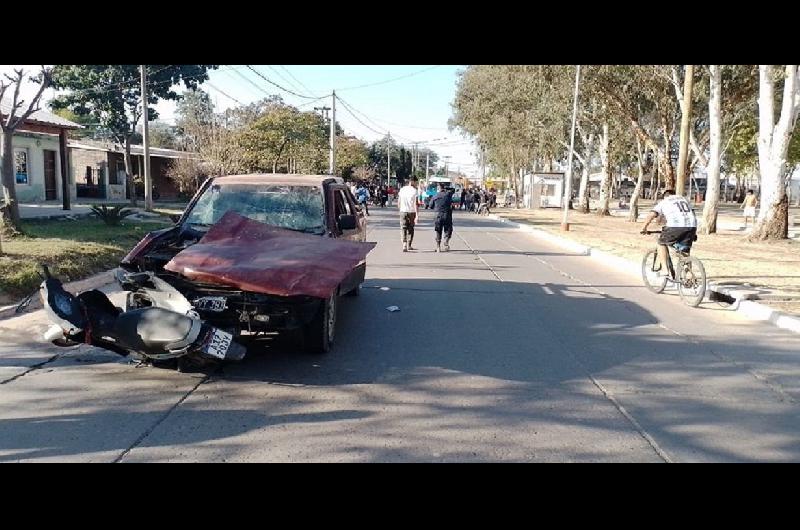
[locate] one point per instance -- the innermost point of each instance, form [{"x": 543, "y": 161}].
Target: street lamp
[{"x": 568, "y": 183}]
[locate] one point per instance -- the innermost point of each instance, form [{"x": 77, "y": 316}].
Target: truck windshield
[{"x": 297, "y": 208}]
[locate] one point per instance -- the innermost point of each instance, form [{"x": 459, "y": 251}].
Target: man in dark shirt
[
  {"x": 463, "y": 199},
  {"x": 441, "y": 204}
]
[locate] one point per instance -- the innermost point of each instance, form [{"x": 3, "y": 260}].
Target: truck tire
[{"x": 318, "y": 335}]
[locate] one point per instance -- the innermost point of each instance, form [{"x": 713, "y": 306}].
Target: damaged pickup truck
[{"x": 256, "y": 253}]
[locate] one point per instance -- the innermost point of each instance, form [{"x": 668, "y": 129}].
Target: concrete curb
[{"x": 748, "y": 308}]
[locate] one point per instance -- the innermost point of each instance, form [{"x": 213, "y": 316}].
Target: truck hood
[{"x": 252, "y": 256}]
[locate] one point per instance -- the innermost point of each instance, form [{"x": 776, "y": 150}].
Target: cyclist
[{"x": 680, "y": 229}]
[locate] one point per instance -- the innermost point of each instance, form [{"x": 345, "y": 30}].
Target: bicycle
[{"x": 691, "y": 278}]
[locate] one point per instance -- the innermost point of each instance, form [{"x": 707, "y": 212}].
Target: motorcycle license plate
[{"x": 219, "y": 343}]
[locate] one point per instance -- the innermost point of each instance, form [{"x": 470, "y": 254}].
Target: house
[
  {"x": 40, "y": 155},
  {"x": 98, "y": 169},
  {"x": 543, "y": 190}
]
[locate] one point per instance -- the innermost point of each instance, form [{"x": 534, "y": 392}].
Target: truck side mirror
[{"x": 347, "y": 222}]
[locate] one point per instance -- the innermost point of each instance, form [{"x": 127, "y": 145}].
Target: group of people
[
  {"x": 442, "y": 206},
  {"x": 475, "y": 199},
  {"x": 365, "y": 192}
]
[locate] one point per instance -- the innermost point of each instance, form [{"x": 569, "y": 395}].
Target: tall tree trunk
[
  {"x": 686, "y": 116},
  {"x": 605, "y": 186},
  {"x": 773, "y": 145},
  {"x": 708, "y": 225},
  {"x": 129, "y": 170},
  {"x": 654, "y": 172},
  {"x": 668, "y": 175},
  {"x": 583, "y": 190},
  {"x": 633, "y": 214},
  {"x": 10, "y": 212},
  {"x": 515, "y": 178}
]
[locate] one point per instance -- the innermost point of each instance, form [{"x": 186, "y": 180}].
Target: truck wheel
[{"x": 318, "y": 334}]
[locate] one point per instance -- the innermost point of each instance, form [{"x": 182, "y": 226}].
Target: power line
[
  {"x": 284, "y": 78},
  {"x": 223, "y": 93},
  {"x": 259, "y": 87},
  {"x": 295, "y": 78},
  {"x": 258, "y": 94},
  {"x": 347, "y": 108},
  {"x": 259, "y": 74},
  {"x": 390, "y": 80}
]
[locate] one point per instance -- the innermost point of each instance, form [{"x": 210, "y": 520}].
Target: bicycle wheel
[
  {"x": 652, "y": 280},
  {"x": 692, "y": 281}
]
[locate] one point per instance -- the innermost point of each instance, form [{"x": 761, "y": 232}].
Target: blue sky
[{"x": 414, "y": 108}]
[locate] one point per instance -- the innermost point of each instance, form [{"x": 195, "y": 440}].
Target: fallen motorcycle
[{"x": 154, "y": 334}]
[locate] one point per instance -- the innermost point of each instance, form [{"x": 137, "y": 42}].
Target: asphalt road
[{"x": 505, "y": 349}]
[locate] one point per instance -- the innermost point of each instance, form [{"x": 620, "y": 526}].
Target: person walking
[
  {"x": 442, "y": 206},
  {"x": 409, "y": 211},
  {"x": 362, "y": 195}
]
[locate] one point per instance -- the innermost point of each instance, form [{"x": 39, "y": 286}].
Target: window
[
  {"x": 89, "y": 175},
  {"x": 342, "y": 204},
  {"x": 21, "y": 165},
  {"x": 297, "y": 208}
]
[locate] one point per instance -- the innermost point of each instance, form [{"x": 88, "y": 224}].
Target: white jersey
[
  {"x": 677, "y": 211},
  {"x": 407, "y": 199}
]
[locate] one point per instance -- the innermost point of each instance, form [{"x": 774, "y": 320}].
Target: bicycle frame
[{"x": 670, "y": 252}]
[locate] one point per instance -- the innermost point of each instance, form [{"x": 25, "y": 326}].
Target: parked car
[{"x": 223, "y": 294}]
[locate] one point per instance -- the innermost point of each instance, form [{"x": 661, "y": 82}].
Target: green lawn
[{"x": 72, "y": 249}]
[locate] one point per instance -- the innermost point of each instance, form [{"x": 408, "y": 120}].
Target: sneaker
[
  {"x": 437, "y": 249},
  {"x": 447, "y": 247},
  {"x": 405, "y": 247},
  {"x": 410, "y": 247}
]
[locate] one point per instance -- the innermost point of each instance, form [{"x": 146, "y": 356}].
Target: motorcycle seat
[{"x": 153, "y": 329}]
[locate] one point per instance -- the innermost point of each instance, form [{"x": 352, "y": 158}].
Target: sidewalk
[
  {"x": 767, "y": 272},
  {"x": 82, "y": 208}
]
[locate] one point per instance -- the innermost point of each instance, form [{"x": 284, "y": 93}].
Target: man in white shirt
[
  {"x": 680, "y": 227},
  {"x": 407, "y": 202}
]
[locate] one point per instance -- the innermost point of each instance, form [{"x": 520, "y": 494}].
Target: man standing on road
[
  {"x": 463, "y": 203},
  {"x": 442, "y": 205},
  {"x": 409, "y": 210}
]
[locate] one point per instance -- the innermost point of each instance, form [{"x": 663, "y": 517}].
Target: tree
[
  {"x": 194, "y": 114},
  {"x": 111, "y": 95},
  {"x": 89, "y": 127},
  {"x": 286, "y": 139},
  {"x": 351, "y": 153},
  {"x": 14, "y": 113},
  {"x": 162, "y": 135},
  {"x": 773, "y": 148},
  {"x": 188, "y": 174},
  {"x": 708, "y": 224}
]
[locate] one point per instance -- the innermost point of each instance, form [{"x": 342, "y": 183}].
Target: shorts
[
  {"x": 675, "y": 234},
  {"x": 750, "y": 211}
]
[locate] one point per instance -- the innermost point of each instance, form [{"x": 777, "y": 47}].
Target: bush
[{"x": 112, "y": 216}]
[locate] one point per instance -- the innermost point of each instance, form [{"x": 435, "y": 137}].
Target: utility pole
[
  {"x": 568, "y": 183},
  {"x": 332, "y": 164},
  {"x": 148, "y": 183},
  {"x": 686, "y": 115},
  {"x": 427, "y": 166},
  {"x": 388, "y": 159}
]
